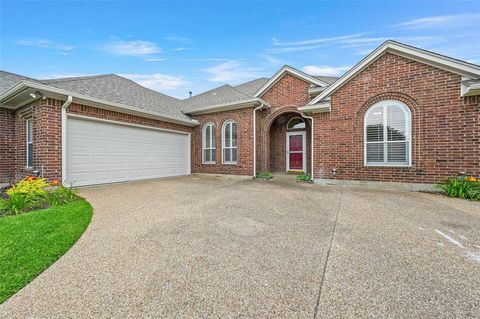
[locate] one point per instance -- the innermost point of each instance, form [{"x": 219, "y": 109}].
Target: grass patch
[
  {"x": 303, "y": 178},
  {"x": 265, "y": 175},
  {"x": 31, "y": 242}
]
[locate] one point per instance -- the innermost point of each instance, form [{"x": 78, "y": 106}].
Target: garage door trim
[{"x": 90, "y": 118}]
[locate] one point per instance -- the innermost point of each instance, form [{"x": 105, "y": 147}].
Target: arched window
[
  {"x": 229, "y": 142},
  {"x": 208, "y": 144},
  {"x": 296, "y": 122},
  {"x": 387, "y": 134}
]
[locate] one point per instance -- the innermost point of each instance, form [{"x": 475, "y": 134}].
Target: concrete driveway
[{"x": 208, "y": 247}]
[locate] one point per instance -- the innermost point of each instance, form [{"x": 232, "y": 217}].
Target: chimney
[{"x": 190, "y": 92}]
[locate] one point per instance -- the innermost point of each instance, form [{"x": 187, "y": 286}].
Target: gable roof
[
  {"x": 460, "y": 67},
  {"x": 288, "y": 69}
]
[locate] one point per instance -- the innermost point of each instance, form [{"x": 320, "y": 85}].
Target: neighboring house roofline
[
  {"x": 456, "y": 66},
  {"x": 228, "y": 106},
  {"x": 24, "y": 88},
  {"x": 294, "y": 72}
]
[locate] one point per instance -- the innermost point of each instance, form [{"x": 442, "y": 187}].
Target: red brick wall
[
  {"x": 445, "y": 127},
  {"x": 122, "y": 117},
  {"x": 7, "y": 150},
  {"x": 284, "y": 97},
  {"x": 244, "y": 120}
]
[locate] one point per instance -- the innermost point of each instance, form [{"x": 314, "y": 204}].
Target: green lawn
[{"x": 31, "y": 242}]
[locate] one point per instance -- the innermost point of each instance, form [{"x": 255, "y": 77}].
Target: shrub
[
  {"x": 18, "y": 203},
  {"x": 265, "y": 175},
  {"x": 60, "y": 195},
  {"x": 303, "y": 178},
  {"x": 466, "y": 188},
  {"x": 30, "y": 185}
]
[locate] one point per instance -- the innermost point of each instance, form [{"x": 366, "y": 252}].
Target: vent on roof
[{"x": 190, "y": 92}]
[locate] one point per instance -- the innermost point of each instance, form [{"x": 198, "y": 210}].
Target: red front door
[{"x": 295, "y": 151}]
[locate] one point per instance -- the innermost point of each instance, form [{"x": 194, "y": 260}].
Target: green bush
[
  {"x": 17, "y": 203},
  {"x": 265, "y": 175},
  {"x": 303, "y": 178},
  {"x": 34, "y": 193},
  {"x": 462, "y": 188}
]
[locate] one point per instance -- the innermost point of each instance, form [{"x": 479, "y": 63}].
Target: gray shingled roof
[
  {"x": 8, "y": 80},
  {"x": 251, "y": 87},
  {"x": 114, "y": 88},
  {"x": 117, "y": 89},
  {"x": 327, "y": 79},
  {"x": 222, "y": 95}
]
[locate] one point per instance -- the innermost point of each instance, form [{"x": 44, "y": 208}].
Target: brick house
[{"x": 402, "y": 115}]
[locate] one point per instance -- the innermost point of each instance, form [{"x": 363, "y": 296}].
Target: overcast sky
[{"x": 176, "y": 47}]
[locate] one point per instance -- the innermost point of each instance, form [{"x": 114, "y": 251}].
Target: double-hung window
[
  {"x": 229, "y": 142},
  {"x": 388, "y": 134},
  {"x": 29, "y": 130},
  {"x": 208, "y": 144}
]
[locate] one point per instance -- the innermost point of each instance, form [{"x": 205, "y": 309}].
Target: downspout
[
  {"x": 255, "y": 139},
  {"x": 312, "y": 131},
  {"x": 64, "y": 138}
]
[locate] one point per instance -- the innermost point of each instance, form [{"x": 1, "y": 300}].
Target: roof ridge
[{"x": 77, "y": 78}]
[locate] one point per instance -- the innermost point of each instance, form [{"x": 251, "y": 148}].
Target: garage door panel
[{"x": 100, "y": 152}]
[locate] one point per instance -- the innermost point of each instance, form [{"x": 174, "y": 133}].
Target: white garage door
[{"x": 104, "y": 152}]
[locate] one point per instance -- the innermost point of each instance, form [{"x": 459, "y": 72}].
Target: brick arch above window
[{"x": 416, "y": 124}]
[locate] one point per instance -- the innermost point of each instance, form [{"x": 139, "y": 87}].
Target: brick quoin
[{"x": 445, "y": 126}]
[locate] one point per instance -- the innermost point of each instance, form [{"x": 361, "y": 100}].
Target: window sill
[
  {"x": 229, "y": 163},
  {"x": 387, "y": 166},
  {"x": 208, "y": 163}
]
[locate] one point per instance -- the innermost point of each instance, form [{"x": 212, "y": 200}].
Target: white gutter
[
  {"x": 64, "y": 138},
  {"x": 226, "y": 106},
  {"x": 255, "y": 140},
  {"x": 312, "y": 131},
  {"x": 100, "y": 103}
]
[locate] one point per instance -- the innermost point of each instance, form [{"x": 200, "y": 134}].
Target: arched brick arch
[
  {"x": 265, "y": 133},
  {"x": 415, "y": 110}
]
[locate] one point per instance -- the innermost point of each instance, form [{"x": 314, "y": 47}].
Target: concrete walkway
[{"x": 207, "y": 247}]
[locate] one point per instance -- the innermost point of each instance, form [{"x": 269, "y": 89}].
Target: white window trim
[
  {"x": 229, "y": 147},
  {"x": 212, "y": 140},
  {"x": 27, "y": 142},
  {"x": 297, "y": 128},
  {"x": 408, "y": 134}
]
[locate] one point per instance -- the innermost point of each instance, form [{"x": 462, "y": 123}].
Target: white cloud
[
  {"x": 205, "y": 59},
  {"x": 181, "y": 49},
  {"x": 271, "y": 59},
  {"x": 232, "y": 71},
  {"x": 448, "y": 21},
  {"x": 44, "y": 43},
  {"x": 325, "y": 70},
  {"x": 154, "y": 59},
  {"x": 316, "y": 41},
  {"x": 182, "y": 40},
  {"x": 157, "y": 81},
  {"x": 132, "y": 48}
]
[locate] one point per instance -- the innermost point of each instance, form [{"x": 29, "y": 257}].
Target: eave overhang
[{"x": 228, "y": 106}]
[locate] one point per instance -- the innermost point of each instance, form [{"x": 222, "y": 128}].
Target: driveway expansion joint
[{"x": 322, "y": 280}]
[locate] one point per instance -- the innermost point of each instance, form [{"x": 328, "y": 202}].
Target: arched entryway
[{"x": 286, "y": 143}]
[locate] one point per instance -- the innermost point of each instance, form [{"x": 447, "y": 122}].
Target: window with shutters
[
  {"x": 229, "y": 142},
  {"x": 387, "y": 134},
  {"x": 208, "y": 144}
]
